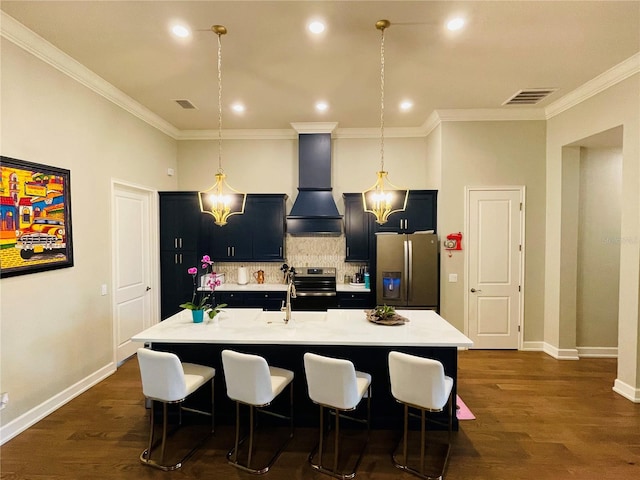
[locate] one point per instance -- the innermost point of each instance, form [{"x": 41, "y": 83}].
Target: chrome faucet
[{"x": 291, "y": 293}]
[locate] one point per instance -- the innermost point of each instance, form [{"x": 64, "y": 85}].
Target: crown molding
[
  {"x": 607, "y": 79},
  {"x": 505, "y": 114},
  {"x": 37, "y": 46},
  {"x": 389, "y": 132},
  {"x": 238, "y": 134},
  {"x": 314, "y": 127}
]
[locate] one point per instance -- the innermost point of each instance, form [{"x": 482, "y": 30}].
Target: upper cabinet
[
  {"x": 258, "y": 235},
  {"x": 420, "y": 214},
  {"x": 179, "y": 221},
  {"x": 357, "y": 228},
  {"x": 268, "y": 227}
]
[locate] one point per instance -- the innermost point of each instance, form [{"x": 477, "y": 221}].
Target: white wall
[
  {"x": 498, "y": 154},
  {"x": 613, "y": 107},
  {"x": 56, "y": 327},
  {"x": 271, "y": 166},
  {"x": 598, "y": 248}
]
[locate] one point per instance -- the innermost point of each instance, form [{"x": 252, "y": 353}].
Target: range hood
[{"x": 314, "y": 211}]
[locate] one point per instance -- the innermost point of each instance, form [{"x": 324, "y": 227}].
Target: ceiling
[{"x": 278, "y": 71}]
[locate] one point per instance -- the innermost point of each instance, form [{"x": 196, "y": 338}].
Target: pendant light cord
[
  {"x": 382, "y": 100},
  {"x": 219, "y": 104}
]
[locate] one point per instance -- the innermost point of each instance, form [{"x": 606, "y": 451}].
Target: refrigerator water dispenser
[{"x": 391, "y": 285}]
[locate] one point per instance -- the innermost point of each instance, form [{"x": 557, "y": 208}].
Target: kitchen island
[{"x": 340, "y": 333}]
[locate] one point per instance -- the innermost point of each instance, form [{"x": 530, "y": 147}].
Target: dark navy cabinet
[
  {"x": 355, "y": 300},
  {"x": 251, "y": 299},
  {"x": 258, "y": 235},
  {"x": 180, "y": 220},
  {"x": 420, "y": 214},
  {"x": 357, "y": 228}
]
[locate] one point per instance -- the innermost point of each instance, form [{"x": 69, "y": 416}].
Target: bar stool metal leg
[{"x": 319, "y": 449}]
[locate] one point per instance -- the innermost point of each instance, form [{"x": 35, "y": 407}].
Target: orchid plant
[{"x": 211, "y": 282}]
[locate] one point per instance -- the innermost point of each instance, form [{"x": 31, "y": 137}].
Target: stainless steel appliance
[
  {"x": 315, "y": 289},
  {"x": 407, "y": 273}
]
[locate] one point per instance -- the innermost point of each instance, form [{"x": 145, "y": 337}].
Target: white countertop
[
  {"x": 252, "y": 287},
  {"x": 334, "y": 327},
  {"x": 279, "y": 287}
]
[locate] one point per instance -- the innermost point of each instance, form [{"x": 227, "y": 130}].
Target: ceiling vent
[
  {"x": 186, "y": 104},
  {"x": 530, "y": 96}
]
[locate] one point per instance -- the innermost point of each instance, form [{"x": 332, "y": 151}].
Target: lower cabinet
[
  {"x": 176, "y": 285},
  {"x": 355, "y": 300},
  {"x": 256, "y": 299}
]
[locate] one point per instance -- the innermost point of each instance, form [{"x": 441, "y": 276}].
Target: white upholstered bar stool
[
  {"x": 420, "y": 383},
  {"x": 335, "y": 384},
  {"x": 167, "y": 380},
  {"x": 252, "y": 382}
]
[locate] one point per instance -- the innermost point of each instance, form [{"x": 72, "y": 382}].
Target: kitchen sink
[{"x": 277, "y": 318}]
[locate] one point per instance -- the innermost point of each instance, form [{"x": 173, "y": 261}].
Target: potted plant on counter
[{"x": 206, "y": 302}]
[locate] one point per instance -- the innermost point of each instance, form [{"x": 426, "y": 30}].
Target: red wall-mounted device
[{"x": 453, "y": 241}]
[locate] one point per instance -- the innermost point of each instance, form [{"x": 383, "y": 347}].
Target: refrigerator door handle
[{"x": 409, "y": 269}]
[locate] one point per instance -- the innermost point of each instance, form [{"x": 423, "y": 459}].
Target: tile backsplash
[{"x": 312, "y": 251}]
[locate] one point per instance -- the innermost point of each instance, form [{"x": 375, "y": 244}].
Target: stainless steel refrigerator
[{"x": 407, "y": 273}]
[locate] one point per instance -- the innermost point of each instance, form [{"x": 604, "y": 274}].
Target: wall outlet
[
  {"x": 453, "y": 277},
  {"x": 4, "y": 399}
]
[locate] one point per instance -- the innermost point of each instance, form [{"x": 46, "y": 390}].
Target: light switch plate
[
  {"x": 453, "y": 277},
  {"x": 103, "y": 289}
]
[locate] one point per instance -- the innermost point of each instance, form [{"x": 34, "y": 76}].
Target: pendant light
[
  {"x": 220, "y": 200},
  {"x": 383, "y": 198}
]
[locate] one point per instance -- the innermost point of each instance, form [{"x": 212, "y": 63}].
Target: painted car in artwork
[{"x": 44, "y": 235}]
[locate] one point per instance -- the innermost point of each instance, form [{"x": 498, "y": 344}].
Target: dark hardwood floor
[{"x": 537, "y": 418}]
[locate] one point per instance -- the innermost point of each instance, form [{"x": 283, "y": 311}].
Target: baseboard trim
[
  {"x": 626, "y": 390},
  {"x": 26, "y": 420},
  {"x": 598, "y": 352},
  {"x": 560, "y": 353},
  {"x": 532, "y": 347}
]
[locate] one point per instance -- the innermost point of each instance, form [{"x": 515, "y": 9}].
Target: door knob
[{"x": 473, "y": 290}]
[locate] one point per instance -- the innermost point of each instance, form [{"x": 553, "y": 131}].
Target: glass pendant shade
[{"x": 383, "y": 198}]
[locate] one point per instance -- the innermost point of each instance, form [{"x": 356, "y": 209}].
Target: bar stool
[
  {"x": 420, "y": 383},
  {"x": 167, "y": 380},
  {"x": 335, "y": 384},
  {"x": 252, "y": 382}
]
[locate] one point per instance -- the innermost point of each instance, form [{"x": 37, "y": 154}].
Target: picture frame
[{"x": 35, "y": 217}]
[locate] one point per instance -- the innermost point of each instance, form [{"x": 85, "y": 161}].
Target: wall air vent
[
  {"x": 530, "y": 96},
  {"x": 186, "y": 104}
]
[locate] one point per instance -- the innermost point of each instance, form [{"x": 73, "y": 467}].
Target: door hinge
[
  {"x": 518, "y": 328},
  {"x": 519, "y": 288},
  {"x": 520, "y": 247},
  {"x": 520, "y": 206}
]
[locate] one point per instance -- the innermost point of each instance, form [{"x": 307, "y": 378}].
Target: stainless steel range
[{"x": 315, "y": 289}]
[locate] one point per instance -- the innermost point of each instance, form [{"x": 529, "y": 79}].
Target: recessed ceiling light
[
  {"x": 322, "y": 106},
  {"x": 180, "y": 31},
  {"x": 238, "y": 108},
  {"x": 316, "y": 27},
  {"x": 406, "y": 105},
  {"x": 455, "y": 24}
]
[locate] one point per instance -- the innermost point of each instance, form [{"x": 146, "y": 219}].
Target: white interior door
[
  {"x": 494, "y": 246},
  {"x": 131, "y": 267}
]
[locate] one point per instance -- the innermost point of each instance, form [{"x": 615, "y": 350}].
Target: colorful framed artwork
[{"x": 35, "y": 217}]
